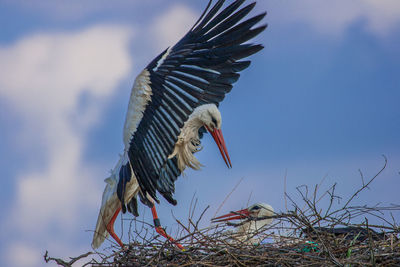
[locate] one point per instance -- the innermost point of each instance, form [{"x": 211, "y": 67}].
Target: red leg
[
  {"x": 161, "y": 230},
  {"x": 110, "y": 227}
]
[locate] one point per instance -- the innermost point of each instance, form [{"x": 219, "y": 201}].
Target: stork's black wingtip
[
  {"x": 173, "y": 201},
  {"x": 169, "y": 198},
  {"x": 252, "y": 4},
  {"x": 257, "y": 48}
]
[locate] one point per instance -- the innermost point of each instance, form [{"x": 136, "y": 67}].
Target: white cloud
[
  {"x": 20, "y": 254},
  {"x": 383, "y": 16},
  {"x": 62, "y": 66},
  {"x": 334, "y": 17},
  {"x": 47, "y": 76},
  {"x": 171, "y": 26}
]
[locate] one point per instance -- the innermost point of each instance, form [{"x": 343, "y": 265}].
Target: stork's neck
[
  {"x": 191, "y": 128},
  {"x": 252, "y": 227},
  {"x": 248, "y": 231},
  {"x": 188, "y": 143}
]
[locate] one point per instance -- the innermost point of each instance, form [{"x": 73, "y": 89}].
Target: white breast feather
[{"x": 188, "y": 141}]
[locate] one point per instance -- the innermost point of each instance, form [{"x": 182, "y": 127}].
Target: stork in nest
[{"x": 252, "y": 222}]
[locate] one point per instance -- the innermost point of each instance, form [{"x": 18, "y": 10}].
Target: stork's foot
[{"x": 161, "y": 230}]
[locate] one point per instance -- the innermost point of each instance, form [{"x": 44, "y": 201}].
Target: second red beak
[{"x": 234, "y": 215}]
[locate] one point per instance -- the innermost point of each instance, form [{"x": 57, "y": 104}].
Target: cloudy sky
[{"x": 321, "y": 100}]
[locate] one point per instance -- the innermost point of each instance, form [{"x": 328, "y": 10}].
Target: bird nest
[
  {"x": 306, "y": 235},
  {"x": 212, "y": 249},
  {"x": 280, "y": 246}
]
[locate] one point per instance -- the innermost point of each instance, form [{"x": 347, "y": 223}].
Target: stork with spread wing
[{"x": 173, "y": 103}]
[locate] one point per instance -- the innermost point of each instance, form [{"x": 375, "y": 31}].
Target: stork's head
[{"x": 211, "y": 119}]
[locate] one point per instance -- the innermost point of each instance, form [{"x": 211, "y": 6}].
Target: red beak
[
  {"x": 219, "y": 140},
  {"x": 234, "y": 215}
]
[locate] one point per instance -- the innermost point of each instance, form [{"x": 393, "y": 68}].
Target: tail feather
[
  {"x": 109, "y": 204},
  {"x": 105, "y": 215},
  {"x": 111, "y": 201}
]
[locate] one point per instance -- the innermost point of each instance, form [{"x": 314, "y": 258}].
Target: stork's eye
[
  {"x": 256, "y": 207},
  {"x": 214, "y": 121}
]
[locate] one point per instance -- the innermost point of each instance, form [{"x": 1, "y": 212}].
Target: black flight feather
[{"x": 199, "y": 69}]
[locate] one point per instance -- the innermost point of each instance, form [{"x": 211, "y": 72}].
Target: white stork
[
  {"x": 253, "y": 220},
  {"x": 173, "y": 103}
]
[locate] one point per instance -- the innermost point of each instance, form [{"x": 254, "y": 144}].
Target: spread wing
[{"x": 199, "y": 69}]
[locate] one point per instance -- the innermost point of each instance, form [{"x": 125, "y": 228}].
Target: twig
[
  {"x": 61, "y": 262},
  {"x": 366, "y": 185},
  {"x": 226, "y": 198}
]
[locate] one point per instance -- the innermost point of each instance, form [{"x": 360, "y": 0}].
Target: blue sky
[{"x": 322, "y": 99}]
